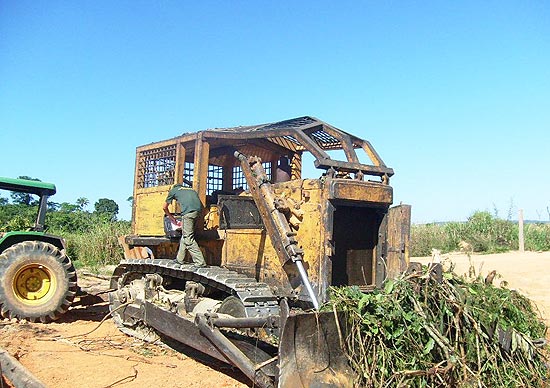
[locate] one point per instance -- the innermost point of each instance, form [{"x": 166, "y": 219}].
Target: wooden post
[{"x": 520, "y": 237}]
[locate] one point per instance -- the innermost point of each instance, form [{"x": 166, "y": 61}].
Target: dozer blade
[{"x": 310, "y": 353}]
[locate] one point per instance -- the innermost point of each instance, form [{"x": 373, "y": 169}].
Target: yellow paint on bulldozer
[{"x": 148, "y": 214}]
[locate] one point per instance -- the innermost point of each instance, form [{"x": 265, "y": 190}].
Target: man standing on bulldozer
[{"x": 191, "y": 206}]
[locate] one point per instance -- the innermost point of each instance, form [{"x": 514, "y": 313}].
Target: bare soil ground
[{"x": 81, "y": 351}]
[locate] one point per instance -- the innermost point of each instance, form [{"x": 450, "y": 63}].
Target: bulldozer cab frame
[{"x": 342, "y": 219}]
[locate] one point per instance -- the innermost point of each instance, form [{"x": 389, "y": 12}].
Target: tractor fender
[{"x": 11, "y": 238}]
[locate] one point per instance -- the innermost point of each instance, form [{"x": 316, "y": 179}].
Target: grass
[
  {"x": 98, "y": 246},
  {"x": 482, "y": 232},
  {"x": 92, "y": 238}
]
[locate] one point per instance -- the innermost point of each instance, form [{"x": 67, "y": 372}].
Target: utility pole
[{"x": 520, "y": 237}]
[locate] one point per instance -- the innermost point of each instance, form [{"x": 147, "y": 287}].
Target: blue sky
[{"x": 454, "y": 95}]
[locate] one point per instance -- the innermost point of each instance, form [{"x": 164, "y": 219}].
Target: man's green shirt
[{"x": 187, "y": 198}]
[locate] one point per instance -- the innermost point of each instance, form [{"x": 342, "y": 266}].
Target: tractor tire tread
[{"x": 56, "y": 262}]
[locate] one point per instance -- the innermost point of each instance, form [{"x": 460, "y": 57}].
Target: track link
[{"x": 257, "y": 297}]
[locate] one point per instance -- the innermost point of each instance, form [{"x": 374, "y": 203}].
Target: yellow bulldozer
[{"x": 275, "y": 242}]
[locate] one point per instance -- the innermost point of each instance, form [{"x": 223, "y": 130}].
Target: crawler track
[{"x": 257, "y": 297}]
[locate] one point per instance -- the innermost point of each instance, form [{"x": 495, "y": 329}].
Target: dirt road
[{"x": 81, "y": 351}]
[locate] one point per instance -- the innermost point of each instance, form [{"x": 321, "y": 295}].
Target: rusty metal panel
[
  {"x": 359, "y": 266},
  {"x": 148, "y": 219},
  {"x": 309, "y": 234},
  {"x": 310, "y": 229},
  {"x": 398, "y": 240},
  {"x": 311, "y": 353},
  {"x": 354, "y": 190},
  {"x": 238, "y": 212},
  {"x": 353, "y": 167},
  {"x": 250, "y": 251}
]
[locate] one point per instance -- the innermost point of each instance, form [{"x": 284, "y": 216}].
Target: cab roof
[
  {"x": 299, "y": 134},
  {"x": 27, "y": 186}
]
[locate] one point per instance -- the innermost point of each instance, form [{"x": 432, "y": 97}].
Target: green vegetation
[
  {"x": 482, "y": 232},
  {"x": 98, "y": 245},
  {"x": 91, "y": 236},
  {"x": 418, "y": 332}
]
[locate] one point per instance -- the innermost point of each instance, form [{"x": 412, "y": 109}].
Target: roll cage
[{"x": 42, "y": 189}]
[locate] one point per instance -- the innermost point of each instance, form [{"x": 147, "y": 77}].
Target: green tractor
[{"x": 37, "y": 278}]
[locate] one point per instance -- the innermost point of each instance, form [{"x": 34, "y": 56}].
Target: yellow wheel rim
[{"x": 34, "y": 284}]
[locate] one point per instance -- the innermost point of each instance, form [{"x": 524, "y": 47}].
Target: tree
[
  {"x": 24, "y": 198},
  {"x": 53, "y": 206},
  {"x": 82, "y": 202},
  {"x": 108, "y": 207},
  {"x": 68, "y": 207}
]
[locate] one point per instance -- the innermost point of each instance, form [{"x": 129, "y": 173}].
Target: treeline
[
  {"x": 483, "y": 232},
  {"x": 91, "y": 236}
]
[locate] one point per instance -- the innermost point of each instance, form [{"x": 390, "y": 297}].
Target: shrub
[
  {"x": 99, "y": 245},
  {"x": 426, "y": 237},
  {"x": 453, "y": 333},
  {"x": 483, "y": 232},
  {"x": 537, "y": 237}
]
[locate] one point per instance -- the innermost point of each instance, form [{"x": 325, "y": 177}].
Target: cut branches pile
[{"x": 419, "y": 331}]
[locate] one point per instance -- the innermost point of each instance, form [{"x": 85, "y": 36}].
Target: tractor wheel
[{"x": 37, "y": 282}]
